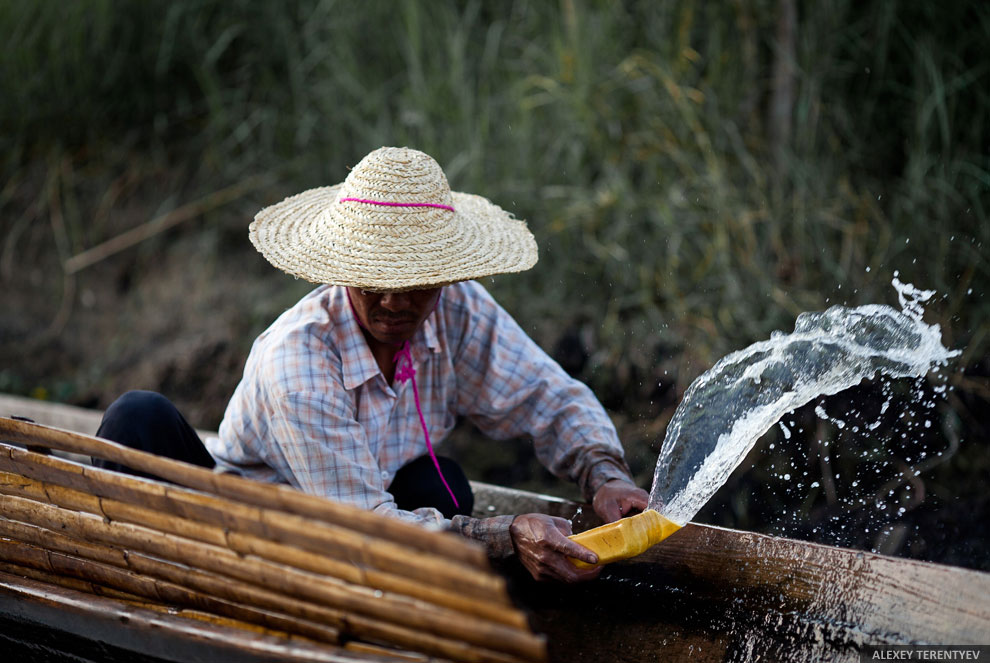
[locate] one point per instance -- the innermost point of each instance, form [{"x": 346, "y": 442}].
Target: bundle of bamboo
[{"x": 258, "y": 554}]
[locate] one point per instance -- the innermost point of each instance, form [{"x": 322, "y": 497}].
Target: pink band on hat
[{"x": 388, "y": 204}]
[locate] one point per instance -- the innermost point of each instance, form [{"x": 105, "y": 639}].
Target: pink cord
[
  {"x": 408, "y": 372},
  {"x": 388, "y": 204}
]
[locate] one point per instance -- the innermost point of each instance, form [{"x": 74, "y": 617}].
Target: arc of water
[{"x": 728, "y": 408}]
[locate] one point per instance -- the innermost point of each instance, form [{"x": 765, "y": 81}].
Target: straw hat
[{"x": 392, "y": 225}]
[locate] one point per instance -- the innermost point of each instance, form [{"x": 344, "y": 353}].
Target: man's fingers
[
  {"x": 617, "y": 498},
  {"x": 580, "y": 552},
  {"x": 558, "y": 567},
  {"x": 560, "y": 543},
  {"x": 544, "y": 549},
  {"x": 613, "y": 510},
  {"x": 635, "y": 501}
]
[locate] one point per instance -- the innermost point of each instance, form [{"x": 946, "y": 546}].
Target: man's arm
[{"x": 510, "y": 387}]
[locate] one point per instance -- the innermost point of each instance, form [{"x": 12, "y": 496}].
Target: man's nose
[{"x": 395, "y": 301}]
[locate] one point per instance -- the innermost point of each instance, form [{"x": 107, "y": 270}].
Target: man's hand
[
  {"x": 543, "y": 548},
  {"x": 617, "y": 498}
]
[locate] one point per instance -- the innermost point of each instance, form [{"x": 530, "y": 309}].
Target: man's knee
[
  {"x": 147, "y": 421},
  {"x": 418, "y": 484},
  {"x": 140, "y": 406},
  {"x": 143, "y": 420}
]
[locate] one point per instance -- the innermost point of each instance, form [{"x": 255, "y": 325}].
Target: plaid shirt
[{"x": 313, "y": 409}]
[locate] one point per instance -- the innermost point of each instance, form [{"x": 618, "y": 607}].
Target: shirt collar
[
  {"x": 430, "y": 337},
  {"x": 358, "y": 365}
]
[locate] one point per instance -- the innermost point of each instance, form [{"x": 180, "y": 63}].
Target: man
[{"x": 344, "y": 395}]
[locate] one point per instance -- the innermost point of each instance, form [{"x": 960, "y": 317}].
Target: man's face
[{"x": 393, "y": 317}]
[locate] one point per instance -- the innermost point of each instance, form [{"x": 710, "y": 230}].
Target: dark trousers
[{"x": 148, "y": 421}]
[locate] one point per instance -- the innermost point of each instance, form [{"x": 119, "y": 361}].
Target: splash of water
[{"x": 728, "y": 408}]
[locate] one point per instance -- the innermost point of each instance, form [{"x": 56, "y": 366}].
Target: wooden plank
[
  {"x": 892, "y": 600},
  {"x": 715, "y": 594},
  {"x": 59, "y": 415}
]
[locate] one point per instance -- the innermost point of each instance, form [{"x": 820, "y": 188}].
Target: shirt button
[{"x": 385, "y": 476}]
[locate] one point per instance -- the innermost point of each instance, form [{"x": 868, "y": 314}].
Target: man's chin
[{"x": 393, "y": 334}]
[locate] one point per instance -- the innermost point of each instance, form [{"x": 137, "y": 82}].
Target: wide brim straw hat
[{"x": 392, "y": 225}]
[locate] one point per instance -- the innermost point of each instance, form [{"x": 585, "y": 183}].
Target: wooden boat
[{"x": 707, "y": 594}]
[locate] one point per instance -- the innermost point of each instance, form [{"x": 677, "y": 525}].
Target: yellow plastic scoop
[{"x": 624, "y": 538}]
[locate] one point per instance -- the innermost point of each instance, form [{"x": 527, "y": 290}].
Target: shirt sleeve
[
  {"x": 492, "y": 533},
  {"x": 509, "y": 387}
]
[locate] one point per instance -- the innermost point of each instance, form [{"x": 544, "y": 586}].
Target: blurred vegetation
[{"x": 695, "y": 176}]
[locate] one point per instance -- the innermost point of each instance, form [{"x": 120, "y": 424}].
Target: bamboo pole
[
  {"x": 196, "y": 579},
  {"x": 452, "y": 649},
  {"x": 244, "y": 490},
  {"x": 90, "y": 574},
  {"x": 355, "y": 625},
  {"x": 362, "y": 604},
  {"x": 207, "y": 634},
  {"x": 307, "y": 533},
  {"x": 401, "y": 656},
  {"x": 75, "y": 584},
  {"x": 379, "y": 564},
  {"x": 114, "y": 510}
]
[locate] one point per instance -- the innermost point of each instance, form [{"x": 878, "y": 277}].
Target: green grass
[{"x": 632, "y": 137}]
